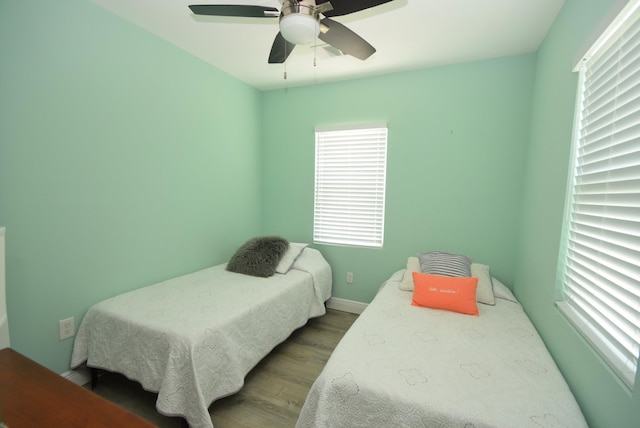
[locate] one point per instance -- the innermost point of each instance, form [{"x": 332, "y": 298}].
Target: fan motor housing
[{"x": 299, "y": 22}]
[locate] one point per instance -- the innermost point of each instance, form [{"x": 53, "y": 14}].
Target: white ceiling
[{"x": 408, "y": 34}]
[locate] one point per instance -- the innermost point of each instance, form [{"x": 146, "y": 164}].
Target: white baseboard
[
  {"x": 346, "y": 305},
  {"x": 80, "y": 376}
]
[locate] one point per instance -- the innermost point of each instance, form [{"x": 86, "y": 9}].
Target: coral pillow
[{"x": 457, "y": 294}]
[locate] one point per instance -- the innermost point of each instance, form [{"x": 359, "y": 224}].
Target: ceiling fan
[{"x": 301, "y": 22}]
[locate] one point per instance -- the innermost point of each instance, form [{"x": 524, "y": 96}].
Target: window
[
  {"x": 601, "y": 255},
  {"x": 350, "y": 186}
]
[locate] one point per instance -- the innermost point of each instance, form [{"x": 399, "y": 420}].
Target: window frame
[
  {"x": 599, "y": 330},
  {"x": 350, "y": 185}
]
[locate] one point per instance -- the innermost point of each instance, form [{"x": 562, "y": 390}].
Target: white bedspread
[
  {"x": 193, "y": 338},
  {"x": 406, "y": 366}
]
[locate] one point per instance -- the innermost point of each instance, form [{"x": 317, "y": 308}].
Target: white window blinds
[
  {"x": 350, "y": 186},
  {"x": 602, "y": 254}
]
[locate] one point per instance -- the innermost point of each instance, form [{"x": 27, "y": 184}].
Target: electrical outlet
[
  {"x": 349, "y": 277},
  {"x": 66, "y": 328}
]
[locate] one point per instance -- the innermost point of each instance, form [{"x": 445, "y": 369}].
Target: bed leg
[{"x": 94, "y": 378}]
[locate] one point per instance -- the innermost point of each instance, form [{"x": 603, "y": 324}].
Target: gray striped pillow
[{"x": 445, "y": 264}]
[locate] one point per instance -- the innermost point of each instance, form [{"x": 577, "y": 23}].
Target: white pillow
[
  {"x": 290, "y": 257},
  {"x": 484, "y": 291},
  {"x": 501, "y": 291},
  {"x": 413, "y": 265}
]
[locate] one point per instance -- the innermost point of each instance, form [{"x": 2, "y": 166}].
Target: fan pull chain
[
  {"x": 285, "y": 62},
  {"x": 315, "y": 56}
]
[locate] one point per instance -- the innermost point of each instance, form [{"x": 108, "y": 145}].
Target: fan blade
[
  {"x": 345, "y": 7},
  {"x": 340, "y": 37},
  {"x": 324, "y": 7},
  {"x": 280, "y": 50},
  {"x": 235, "y": 10}
]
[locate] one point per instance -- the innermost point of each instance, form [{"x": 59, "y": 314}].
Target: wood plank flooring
[{"x": 274, "y": 390}]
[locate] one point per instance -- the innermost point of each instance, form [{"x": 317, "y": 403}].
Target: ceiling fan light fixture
[{"x": 299, "y": 24}]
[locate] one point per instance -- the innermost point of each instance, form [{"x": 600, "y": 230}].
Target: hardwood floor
[{"x": 274, "y": 390}]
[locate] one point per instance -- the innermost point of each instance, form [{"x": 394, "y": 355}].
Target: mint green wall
[
  {"x": 123, "y": 161},
  {"x": 605, "y": 402},
  {"x": 457, "y": 138}
]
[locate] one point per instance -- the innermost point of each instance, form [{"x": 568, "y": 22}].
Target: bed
[
  {"x": 401, "y": 365},
  {"x": 192, "y": 339}
]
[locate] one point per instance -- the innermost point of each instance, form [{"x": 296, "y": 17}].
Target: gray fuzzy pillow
[{"x": 259, "y": 256}]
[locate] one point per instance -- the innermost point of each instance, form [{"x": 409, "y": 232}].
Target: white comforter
[
  {"x": 193, "y": 338},
  {"x": 406, "y": 366}
]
